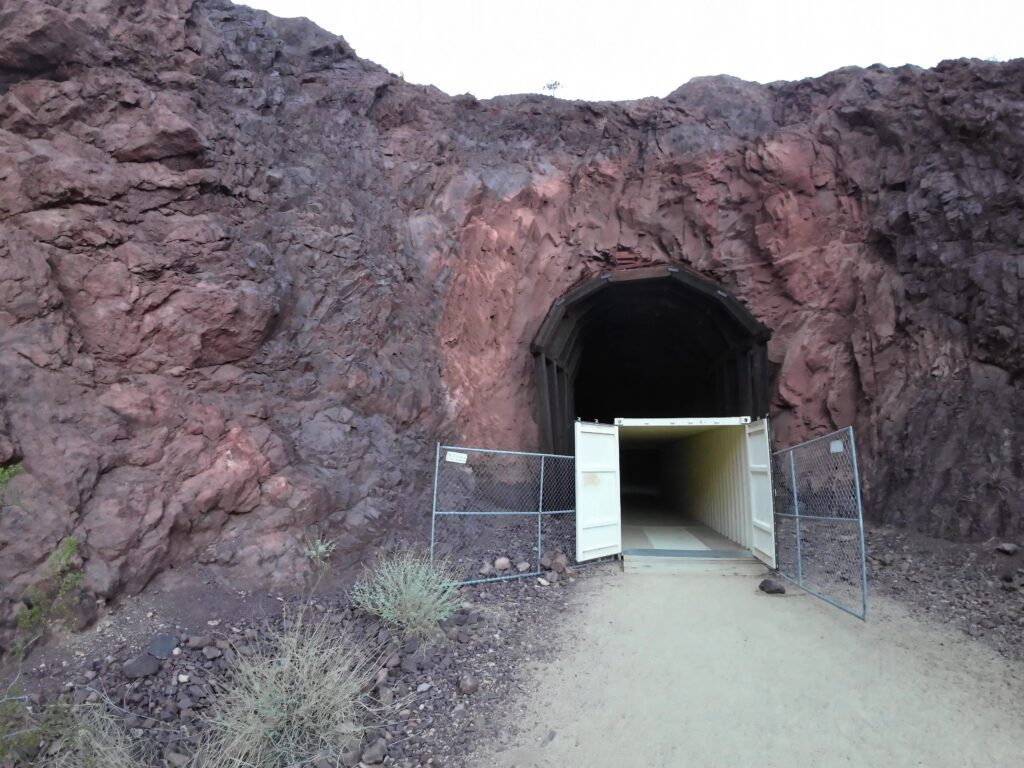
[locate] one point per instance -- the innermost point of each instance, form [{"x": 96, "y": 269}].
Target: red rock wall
[{"x": 247, "y": 279}]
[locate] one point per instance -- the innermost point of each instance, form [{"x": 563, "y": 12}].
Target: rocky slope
[{"x": 247, "y": 278}]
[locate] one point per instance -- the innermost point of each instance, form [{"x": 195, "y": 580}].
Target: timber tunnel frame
[{"x": 707, "y": 353}]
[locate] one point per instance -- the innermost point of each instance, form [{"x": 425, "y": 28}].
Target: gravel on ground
[
  {"x": 708, "y": 670},
  {"x": 977, "y": 587},
  {"x": 434, "y": 701}
]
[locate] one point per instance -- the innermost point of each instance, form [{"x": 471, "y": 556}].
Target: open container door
[
  {"x": 762, "y": 509},
  {"x": 598, "y": 506}
]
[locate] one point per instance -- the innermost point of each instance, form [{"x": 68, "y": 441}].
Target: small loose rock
[
  {"x": 468, "y": 684},
  {"x": 375, "y": 753},
  {"x": 142, "y": 665},
  {"x": 162, "y": 646}
]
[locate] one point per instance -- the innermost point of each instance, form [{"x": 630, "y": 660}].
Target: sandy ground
[{"x": 707, "y": 671}]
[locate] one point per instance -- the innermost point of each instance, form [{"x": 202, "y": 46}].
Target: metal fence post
[
  {"x": 796, "y": 514},
  {"x": 433, "y": 509},
  {"x": 860, "y": 525},
  {"x": 540, "y": 512}
]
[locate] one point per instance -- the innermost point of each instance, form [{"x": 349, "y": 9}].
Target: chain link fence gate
[
  {"x": 490, "y": 504},
  {"x": 819, "y": 524}
]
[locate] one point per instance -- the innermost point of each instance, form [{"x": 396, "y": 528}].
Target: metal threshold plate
[{"x": 731, "y": 554}]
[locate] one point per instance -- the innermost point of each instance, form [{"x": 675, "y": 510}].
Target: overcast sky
[{"x": 633, "y": 48}]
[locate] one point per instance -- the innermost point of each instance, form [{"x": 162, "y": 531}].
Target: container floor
[{"x": 651, "y": 527}]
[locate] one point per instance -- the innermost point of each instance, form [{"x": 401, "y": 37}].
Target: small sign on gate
[
  {"x": 455, "y": 457},
  {"x": 835, "y": 446}
]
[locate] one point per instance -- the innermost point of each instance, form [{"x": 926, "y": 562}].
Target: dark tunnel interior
[{"x": 655, "y": 342}]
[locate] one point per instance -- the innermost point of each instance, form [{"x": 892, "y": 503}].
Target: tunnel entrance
[{"x": 652, "y": 342}]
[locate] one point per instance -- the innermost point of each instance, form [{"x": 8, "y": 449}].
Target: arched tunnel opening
[{"x": 652, "y": 343}]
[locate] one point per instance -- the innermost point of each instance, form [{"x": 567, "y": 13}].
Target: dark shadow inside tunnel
[{"x": 657, "y": 342}]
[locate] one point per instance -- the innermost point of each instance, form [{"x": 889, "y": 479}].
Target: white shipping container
[{"x": 694, "y": 488}]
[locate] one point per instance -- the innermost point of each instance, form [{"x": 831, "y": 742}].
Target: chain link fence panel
[
  {"x": 819, "y": 524},
  {"x": 491, "y": 504}
]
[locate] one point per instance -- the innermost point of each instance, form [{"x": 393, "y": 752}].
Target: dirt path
[{"x": 706, "y": 671}]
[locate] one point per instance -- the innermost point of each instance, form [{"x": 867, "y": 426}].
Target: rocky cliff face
[{"x": 247, "y": 279}]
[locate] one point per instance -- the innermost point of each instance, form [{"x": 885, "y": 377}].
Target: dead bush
[
  {"x": 297, "y": 702},
  {"x": 95, "y": 739}
]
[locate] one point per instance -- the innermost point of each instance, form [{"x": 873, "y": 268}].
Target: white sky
[{"x": 633, "y": 48}]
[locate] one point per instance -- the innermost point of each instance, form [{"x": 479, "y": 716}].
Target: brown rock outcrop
[{"x": 247, "y": 279}]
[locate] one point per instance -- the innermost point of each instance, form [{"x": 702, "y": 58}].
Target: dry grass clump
[
  {"x": 409, "y": 592},
  {"x": 95, "y": 739},
  {"x": 63, "y": 735},
  {"x": 297, "y": 703}
]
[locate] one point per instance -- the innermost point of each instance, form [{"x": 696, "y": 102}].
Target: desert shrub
[
  {"x": 19, "y": 726},
  {"x": 297, "y": 701},
  {"x": 409, "y": 592},
  {"x": 51, "y": 600},
  {"x": 6, "y": 475},
  {"x": 95, "y": 739},
  {"x": 65, "y": 736},
  {"x": 318, "y": 550},
  {"x": 62, "y": 559}
]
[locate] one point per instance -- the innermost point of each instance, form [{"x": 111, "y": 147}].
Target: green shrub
[
  {"x": 296, "y": 703},
  {"x": 51, "y": 600},
  {"x": 409, "y": 592},
  {"x": 19, "y": 729},
  {"x": 6, "y": 474},
  {"x": 62, "y": 559},
  {"x": 318, "y": 550},
  {"x": 32, "y": 621}
]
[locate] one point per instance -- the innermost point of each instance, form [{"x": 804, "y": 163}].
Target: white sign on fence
[{"x": 455, "y": 457}]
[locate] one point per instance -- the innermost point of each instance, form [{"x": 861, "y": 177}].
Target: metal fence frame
[
  {"x": 539, "y": 512},
  {"x": 825, "y": 569},
  {"x": 786, "y": 462}
]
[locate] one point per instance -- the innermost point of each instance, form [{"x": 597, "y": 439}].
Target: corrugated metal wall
[{"x": 708, "y": 480}]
